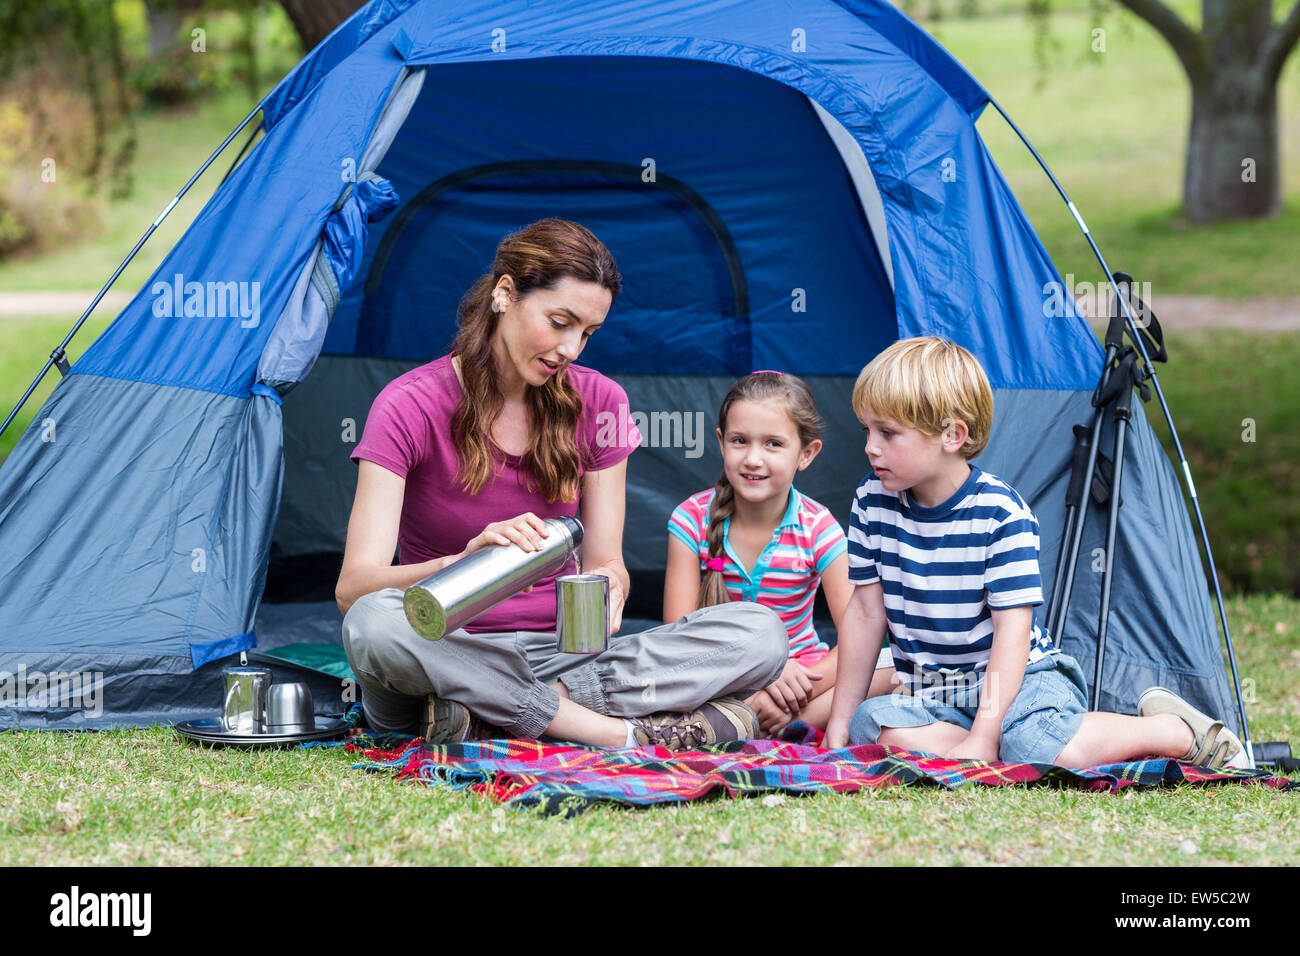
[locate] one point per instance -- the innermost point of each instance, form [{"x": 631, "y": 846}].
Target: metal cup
[
  {"x": 581, "y": 613},
  {"x": 244, "y": 708},
  {"x": 289, "y": 710}
]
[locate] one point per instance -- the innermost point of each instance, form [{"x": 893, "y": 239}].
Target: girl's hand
[
  {"x": 526, "y": 530},
  {"x": 793, "y": 689},
  {"x": 771, "y": 718},
  {"x": 837, "y": 735}
]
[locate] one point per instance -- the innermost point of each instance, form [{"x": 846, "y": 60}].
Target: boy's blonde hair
[{"x": 927, "y": 383}]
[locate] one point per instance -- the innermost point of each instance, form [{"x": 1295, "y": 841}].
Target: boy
[{"x": 945, "y": 557}]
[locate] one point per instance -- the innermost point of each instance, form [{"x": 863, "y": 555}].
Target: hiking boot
[
  {"x": 447, "y": 722},
  {"x": 725, "y": 718},
  {"x": 1213, "y": 744}
]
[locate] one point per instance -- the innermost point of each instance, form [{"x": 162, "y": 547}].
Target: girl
[
  {"x": 476, "y": 448},
  {"x": 755, "y": 538}
]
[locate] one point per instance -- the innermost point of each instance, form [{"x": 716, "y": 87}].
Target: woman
[{"x": 476, "y": 449}]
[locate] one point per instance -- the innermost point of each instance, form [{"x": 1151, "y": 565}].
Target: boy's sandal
[{"x": 1213, "y": 744}]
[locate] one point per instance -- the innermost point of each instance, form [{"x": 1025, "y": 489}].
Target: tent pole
[
  {"x": 1173, "y": 432},
  {"x": 58, "y": 357},
  {"x": 247, "y": 143}
]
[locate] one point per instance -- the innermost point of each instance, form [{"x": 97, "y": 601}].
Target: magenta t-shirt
[{"x": 408, "y": 432}]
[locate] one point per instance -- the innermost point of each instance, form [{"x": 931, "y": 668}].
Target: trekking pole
[
  {"x": 1077, "y": 517},
  {"x": 1120, "y": 394},
  {"x": 1085, "y": 448},
  {"x": 59, "y": 356},
  {"x": 1173, "y": 431},
  {"x": 1077, "y": 462}
]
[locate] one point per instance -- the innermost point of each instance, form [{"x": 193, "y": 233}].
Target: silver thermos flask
[{"x": 460, "y": 592}]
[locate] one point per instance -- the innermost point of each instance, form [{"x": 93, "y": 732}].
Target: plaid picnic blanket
[{"x": 567, "y": 779}]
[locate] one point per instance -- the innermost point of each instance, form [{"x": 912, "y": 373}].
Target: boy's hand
[
  {"x": 1002, "y": 681},
  {"x": 771, "y": 718},
  {"x": 862, "y": 632},
  {"x": 976, "y": 746},
  {"x": 793, "y": 689}
]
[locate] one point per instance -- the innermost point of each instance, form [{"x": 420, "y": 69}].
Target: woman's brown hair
[
  {"x": 795, "y": 397},
  {"x": 536, "y": 257}
]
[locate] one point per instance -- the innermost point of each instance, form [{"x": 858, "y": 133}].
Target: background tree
[
  {"x": 1233, "y": 64},
  {"x": 314, "y": 19},
  {"x": 83, "y": 37}
]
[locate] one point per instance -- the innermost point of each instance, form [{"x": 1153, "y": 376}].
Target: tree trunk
[
  {"x": 314, "y": 19},
  {"x": 1232, "y": 150}
]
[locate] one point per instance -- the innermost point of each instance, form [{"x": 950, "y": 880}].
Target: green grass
[
  {"x": 28, "y": 342},
  {"x": 1266, "y": 635},
  {"x": 1217, "y": 383},
  {"x": 144, "y": 797}
]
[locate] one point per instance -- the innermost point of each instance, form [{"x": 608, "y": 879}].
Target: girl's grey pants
[{"x": 504, "y": 677}]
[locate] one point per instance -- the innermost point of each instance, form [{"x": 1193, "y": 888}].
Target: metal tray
[{"x": 208, "y": 730}]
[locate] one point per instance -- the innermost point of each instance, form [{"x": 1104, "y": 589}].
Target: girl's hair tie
[
  {"x": 714, "y": 564},
  {"x": 767, "y": 371}
]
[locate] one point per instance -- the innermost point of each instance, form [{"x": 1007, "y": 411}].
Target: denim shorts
[{"x": 1042, "y": 719}]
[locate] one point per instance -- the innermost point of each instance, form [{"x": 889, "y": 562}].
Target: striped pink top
[{"x": 787, "y": 573}]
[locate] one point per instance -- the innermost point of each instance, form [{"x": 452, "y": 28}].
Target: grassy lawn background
[
  {"x": 143, "y": 796},
  {"x": 173, "y": 145},
  {"x": 28, "y": 341},
  {"x": 1217, "y": 384}
]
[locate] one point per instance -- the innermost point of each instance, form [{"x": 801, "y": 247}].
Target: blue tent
[{"x": 784, "y": 185}]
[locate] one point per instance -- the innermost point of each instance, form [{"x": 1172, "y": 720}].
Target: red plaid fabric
[{"x": 562, "y": 778}]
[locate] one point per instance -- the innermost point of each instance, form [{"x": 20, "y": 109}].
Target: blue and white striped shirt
[{"x": 944, "y": 568}]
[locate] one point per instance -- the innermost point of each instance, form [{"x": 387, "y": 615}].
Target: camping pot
[
  {"x": 244, "y": 708},
  {"x": 288, "y": 709},
  {"x": 581, "y": 613},
  {"x": 460, "y": 592}
]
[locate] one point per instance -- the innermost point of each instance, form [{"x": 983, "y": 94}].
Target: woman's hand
[
  {"x": 616, "y": 596},
  {"x": 616, "y": 601},
  {"x": 526, "y": 530},
  {"x": 793, "y": 689},
  {"x": 602, "y": 507}
]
